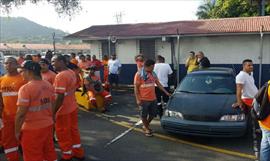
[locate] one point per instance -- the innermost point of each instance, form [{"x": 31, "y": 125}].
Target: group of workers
[{"x": 37, "y": 99}]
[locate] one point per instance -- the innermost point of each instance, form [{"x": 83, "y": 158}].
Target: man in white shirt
[
  {"x": 245, "y": 92},
  {"x": 114, "y": 70},
  {"x": 162, "y": 70}
]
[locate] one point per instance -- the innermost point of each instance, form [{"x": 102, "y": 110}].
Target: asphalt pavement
[{"x": 98, "y": 129}]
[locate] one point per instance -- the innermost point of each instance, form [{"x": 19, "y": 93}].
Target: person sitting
[{"x": 93, "y": 87}]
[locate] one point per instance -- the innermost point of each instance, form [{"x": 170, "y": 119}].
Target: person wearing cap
[
  {"x": 36, "y": 57},
  {"x": 9, "y": 87},
  {"x": 46, "y": 74},
  {"x": 34, "y": 118},
  {"x": 94, "y": 87},
  {"x": 66, "y": 110}
]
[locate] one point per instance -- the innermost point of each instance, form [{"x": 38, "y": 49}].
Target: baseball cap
[
  {"x": 44, "y": 61},
  {"x": 32, "y": 66}
]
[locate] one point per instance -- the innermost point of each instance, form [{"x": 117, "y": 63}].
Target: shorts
[
  {"x": 148, "y": 108},
  {"x": 113, "y": 78}
]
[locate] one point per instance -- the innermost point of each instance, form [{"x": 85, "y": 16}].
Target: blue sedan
[{"x": 202, "y": 105}]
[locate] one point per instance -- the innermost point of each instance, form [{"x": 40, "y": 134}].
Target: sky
[{"x": 104, "y": 12}]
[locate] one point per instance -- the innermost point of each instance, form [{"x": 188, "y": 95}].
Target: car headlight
[
  {"x": 170, "y": 113},
  {"x": 239, "y": 117}
]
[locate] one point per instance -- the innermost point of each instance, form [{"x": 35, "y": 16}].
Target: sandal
[
  {"x": 148, "y": 134},
  {"x": 144, "y": 129}
]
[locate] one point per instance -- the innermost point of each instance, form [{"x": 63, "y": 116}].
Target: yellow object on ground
[{"x": 84, "y": 101}]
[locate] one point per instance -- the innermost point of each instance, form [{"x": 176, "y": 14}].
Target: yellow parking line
[{"x": 210, "y": 148}]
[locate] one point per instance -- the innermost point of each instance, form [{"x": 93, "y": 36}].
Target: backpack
[{"x": 261, "y": 105}]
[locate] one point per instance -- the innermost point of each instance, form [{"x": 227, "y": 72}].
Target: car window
[{"x": 208, "y": 83}]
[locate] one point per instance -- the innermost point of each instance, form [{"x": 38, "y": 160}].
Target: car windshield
[{"x": 208, "y": 84}]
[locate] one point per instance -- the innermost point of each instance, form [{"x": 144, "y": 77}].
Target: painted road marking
[{"x": 165, "y": 137}]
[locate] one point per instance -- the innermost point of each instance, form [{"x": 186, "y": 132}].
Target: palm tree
[{"x": 205, "y": 10}]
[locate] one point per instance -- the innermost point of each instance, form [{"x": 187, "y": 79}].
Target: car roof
[{"x": 214, "y": 70}]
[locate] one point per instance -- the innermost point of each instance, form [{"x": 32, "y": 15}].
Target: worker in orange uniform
[
  {"x": 9, "y": 87},
  {"x": 94, "y": 87},
  {"x": 34, "y": 118},
  {"x": 73, "y": 59},
  {"x": 46, "y": 74},
  {"x": 105, "y": 71},
  {"x": 83, "y": 64},
  {"x": 66, "y": 127}
]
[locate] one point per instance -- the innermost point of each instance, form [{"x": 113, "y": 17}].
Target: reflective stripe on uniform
[
  {"x": 10, "y": 150},
  {"x": 92, "y": 99},
  {"x": 39, "y": 108},
  {"x": 61, "y": 88},
  {"x": 67, "y": 152},
  {"x": 76, "y": 146},
  {"x": 108, "y": 96},
  {"x": 159, "y": 103},
  {"x": 69, "y": 93},
  {"x": 23, "y": 100},
  {"x": 147, "y": 85},
  {"x": 4, "y": 94}
]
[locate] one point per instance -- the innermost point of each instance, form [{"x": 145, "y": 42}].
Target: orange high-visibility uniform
[
  {"x": 74, "y": 61},
  {"x": 106, "y": 70},
  {"x": 66, "y": 117},
  {"x": 37, "y": 129},
  {"x": 9, "y": 87},
  {"x": 48, "y": 76}
]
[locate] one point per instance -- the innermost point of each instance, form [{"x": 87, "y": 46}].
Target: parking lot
[{"x": 99, "y": 129}]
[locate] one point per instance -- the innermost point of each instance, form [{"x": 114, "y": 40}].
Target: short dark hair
[
  {"x": 247, "y": 61},
  {"x": 61, "y": 57},
  {"x": 192, "y": 52},
  {"x": 149, "y": 62}
]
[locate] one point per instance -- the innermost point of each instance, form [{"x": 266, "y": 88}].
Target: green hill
[{"x": 19, "y": 29}]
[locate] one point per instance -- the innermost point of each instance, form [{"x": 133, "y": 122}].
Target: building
[
  {"x": 226, "y": 42},
  {"x": 16, "y": 48}
]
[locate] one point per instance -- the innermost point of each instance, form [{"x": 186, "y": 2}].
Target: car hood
[{"x": 203, "y": 105}]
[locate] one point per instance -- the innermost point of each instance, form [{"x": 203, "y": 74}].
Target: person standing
[
  {"x": 97, "y": 63},
  {"x": 114, "y": 70},
  {"x": 46, "y": 74},
  {"x": 203, "y": 61},
  {"x": 191, "y": 62},
  {"x": 144, "y": 90},
  {"x": 162, "y": 70},
  {"x": 245, "y": 92},
  {"x": 66, "y": 111},
  {"x": 20, "y": 59},
  {"x": 83, "y": 64},
  {"x": 73, "y": 59},
  {"x": 9, "y": 87},
  {"x": 139, "y": 59},
  {"x": 34, "y": 118}
]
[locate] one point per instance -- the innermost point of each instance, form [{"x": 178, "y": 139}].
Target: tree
[
  {"x": 231, "y": 8},
  {"x": 205, "y": 10},
  {"x": 62, "y": 7}
]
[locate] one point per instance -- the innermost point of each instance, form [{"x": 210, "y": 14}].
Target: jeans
[{"x": 265, "y": 145}]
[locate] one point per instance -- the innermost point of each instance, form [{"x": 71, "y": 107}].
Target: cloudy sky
[{"x": 104, "y": 12}]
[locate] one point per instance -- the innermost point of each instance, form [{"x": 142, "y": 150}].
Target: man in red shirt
[{"x": 66, "y": 111}]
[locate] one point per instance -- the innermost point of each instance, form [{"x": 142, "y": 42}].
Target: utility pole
[
  {"x": 262, "y": 8},
  {"x": 53, "y": 35},
  {"x": 118, "y": 17}
]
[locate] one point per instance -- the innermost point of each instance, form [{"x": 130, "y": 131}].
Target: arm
[
  {"x": 162, "y": 88},
  {"x": 58, "y": 102},
  {"x": 136, "y": 93},
  {"x": 187, "y": 62},
  {"x": 20, "y": 116},
  {"x": 239, "y": 88},
  {"x": 1, "y": 105}
]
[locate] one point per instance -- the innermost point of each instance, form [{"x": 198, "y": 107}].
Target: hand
[
  {"x": 139, "y": 102},
  {"x": 237, "y": 105},
  {"x": 168, "y": 94}
]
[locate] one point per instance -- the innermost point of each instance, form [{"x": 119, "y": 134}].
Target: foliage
[
  {"x": 62, "y": 7},
  {"x": 229, "y": 8}
]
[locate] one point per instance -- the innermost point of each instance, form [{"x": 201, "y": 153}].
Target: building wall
[
  {"x": 96, "y": 49},
  {"x": 227, "y": 49},
  {"x": 163, "y": 48},
  {"x": 126, "y": 50}
]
